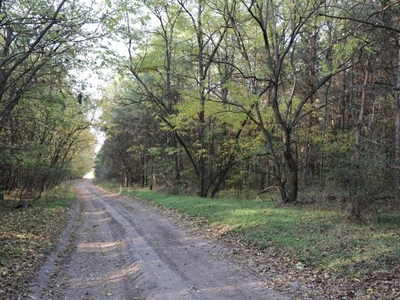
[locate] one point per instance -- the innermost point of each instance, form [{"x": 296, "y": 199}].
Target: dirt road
[{"x": 115, "y": 248}]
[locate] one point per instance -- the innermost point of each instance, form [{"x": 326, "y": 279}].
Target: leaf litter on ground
[{"x": 26, "y": 236}]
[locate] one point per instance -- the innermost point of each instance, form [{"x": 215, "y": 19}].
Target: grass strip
[{"x": 316, "y": 236}]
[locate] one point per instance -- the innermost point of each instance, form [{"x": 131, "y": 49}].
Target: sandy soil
[{"x": 115, "y": 248}]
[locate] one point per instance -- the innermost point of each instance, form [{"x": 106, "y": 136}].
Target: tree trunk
[
  {"x": 397, "y": 132},
  {"x": 311, "y": 77},
  {"x": 293, "y": 173},
  {"x": 355, "y": 212},
  {"x": 202, "y": 75},
  {"x": 202, "y": 169}
]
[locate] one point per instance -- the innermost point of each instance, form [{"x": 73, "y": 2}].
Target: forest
[
  {"x": 285, "y": 96},
  {"x": 45, "y": 111},
  {"x": 204, "y": 97}
]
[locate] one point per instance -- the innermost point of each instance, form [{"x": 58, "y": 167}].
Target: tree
[
  {"x": 281, "y": 27},
  {"x": 375, "y": 76},
  {"x": 179, "y": 92},
  {"x": 280, "y": 92},
  {"x": 131, "y": 134},
  {"x": 39, "y": 109},
  {"x": 46, "y": 130},
  {"x": 34, "y": 38}
]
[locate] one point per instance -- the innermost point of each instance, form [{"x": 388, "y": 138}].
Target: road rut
[{"x": 119, "y": 248}]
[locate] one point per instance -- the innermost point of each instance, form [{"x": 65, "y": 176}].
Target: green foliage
[
  {"x": 43, "y": 106},
  {"x": 61, "y": 196},
  {"x": 48, "y": 132},
  {"x": 82, "y": 162},
  {"x": 187, "y": 116},
  {"x": 237, "y": 103}
]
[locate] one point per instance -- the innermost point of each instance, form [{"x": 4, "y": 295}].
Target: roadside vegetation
[
  {"x": 314, "y": 244},
  {"x": 28, "y": 234}
]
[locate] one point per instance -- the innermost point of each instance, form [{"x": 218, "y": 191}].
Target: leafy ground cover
[
  {"x": 311, "y": 250},
  {"x": 27, "y": 235}
]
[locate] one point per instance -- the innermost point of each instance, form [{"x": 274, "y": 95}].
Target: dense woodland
[
  {"x": 207, "y": 96},
  {"x": 45, "y": 114},
  {"x": 290, "y": 96}
]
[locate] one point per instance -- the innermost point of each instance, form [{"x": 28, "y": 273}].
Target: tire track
[
  {"x": 94, "y": 264},
  {"x": 191, "y": 264},
  {"x": 122, "y": 249}
]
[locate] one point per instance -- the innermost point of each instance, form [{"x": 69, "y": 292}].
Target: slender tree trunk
[
  {"x": 202, "y": 77},
  {"x": 289, "y": 187},
  {"x": 177, "y": 161},
  {"x": 202, "y": 169},
  {"x": 355, "y": 197},
  {"x": 397, "y": 133},
  {"x": 307, "y": 151},
  {"x": 342, "y": 108},
  {"x": 170, "y": 98},
  {"x": 311, "y": 77},
  {"x": 357, "y": 149}
]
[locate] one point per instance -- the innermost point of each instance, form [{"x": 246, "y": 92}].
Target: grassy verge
[
  {"x": 27, "y": 234},
  {"x": 313, "y": 235}
]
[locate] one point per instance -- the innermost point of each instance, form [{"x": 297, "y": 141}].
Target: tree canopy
[
  {"x": 258, "y": 94},
  {"x": 207, "y": 95},
  {"x": 45, "y": 113}
]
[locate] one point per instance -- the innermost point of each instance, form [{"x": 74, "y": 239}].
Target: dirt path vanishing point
[{"x": 117, "y": 249}]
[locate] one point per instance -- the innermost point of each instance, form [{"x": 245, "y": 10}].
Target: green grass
[
  {"x": 318, "y": 236},
  {"x": 58, "y": 197}
]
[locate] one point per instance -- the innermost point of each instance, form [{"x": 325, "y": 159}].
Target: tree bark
[
  {"x": 397, "y": 129},
  {"x": 293, "y": 173}
]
